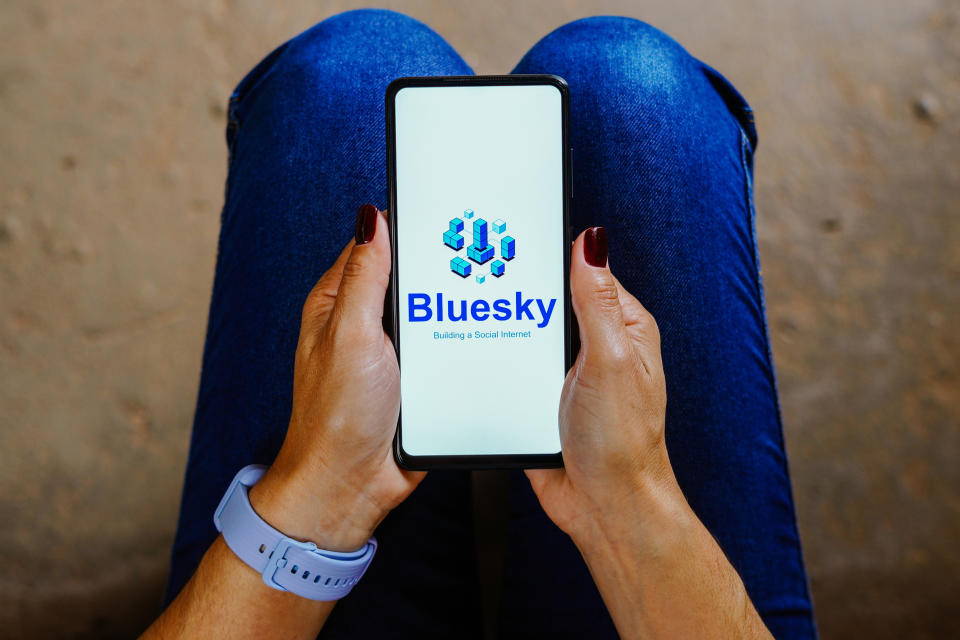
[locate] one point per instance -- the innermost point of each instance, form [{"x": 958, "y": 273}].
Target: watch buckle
[{"x": 278, "y": 560}]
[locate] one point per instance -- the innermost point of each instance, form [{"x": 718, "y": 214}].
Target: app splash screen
[{"x": 480, "y": 268}]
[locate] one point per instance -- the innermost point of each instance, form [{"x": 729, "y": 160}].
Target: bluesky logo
[
  {"x": 422, "y": 307},
  {"x": 480, "y": 251}
]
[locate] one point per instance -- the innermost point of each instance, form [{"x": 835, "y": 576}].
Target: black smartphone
[{"x": 478, "y": 306}]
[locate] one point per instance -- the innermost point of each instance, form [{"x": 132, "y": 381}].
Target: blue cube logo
[
  {"x": 480, "y": 233},
  {"x": 508, "y": 247},
  {"x": 453, "y": 240},
  {"x": 479, "y": 255},
  {"x": 481, "y": 250},
  {"x": 460, "y": 267},
  {"x": 452, "y": 237}
]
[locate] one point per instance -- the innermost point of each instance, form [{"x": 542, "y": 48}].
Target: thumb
[
  {"x": 596, "y": 298},
  {"x": 365, "y": 273}
]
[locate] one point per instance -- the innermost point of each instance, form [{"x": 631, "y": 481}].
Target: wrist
[
  {"x": 313, "y": 507},
  {"x": 660, "y": 572},
  {"x": 647, "y": 515}
]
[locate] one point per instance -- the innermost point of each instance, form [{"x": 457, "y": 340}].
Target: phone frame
[{"x": 391, "y": 305}]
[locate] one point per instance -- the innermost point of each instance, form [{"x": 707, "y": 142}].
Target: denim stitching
[{"x": 746, "y": 162}]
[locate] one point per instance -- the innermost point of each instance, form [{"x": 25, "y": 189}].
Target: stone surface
[{"x": 111, "y": 124}]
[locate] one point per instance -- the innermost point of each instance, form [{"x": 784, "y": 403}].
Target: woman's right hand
[
  {"x": 613, "y": 402},
  {"x": 658, "y": 569}
]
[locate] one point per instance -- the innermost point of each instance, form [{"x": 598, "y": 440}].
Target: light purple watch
[{"x": 285, "y": 564}]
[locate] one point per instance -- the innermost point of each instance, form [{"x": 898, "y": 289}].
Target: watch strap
[{"x": 284, "y": 563}]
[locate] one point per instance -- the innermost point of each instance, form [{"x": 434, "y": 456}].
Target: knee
[
  {"x": 362, "y": 34},
  {"x": 608, "y": 56},
  {"x": 359, "y": 49}
]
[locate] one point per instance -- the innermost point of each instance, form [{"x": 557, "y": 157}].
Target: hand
[
  {"x": 658, "y": 569},
  {"x": 612, "y": 406},
  {"x": 335, "y": 477}
]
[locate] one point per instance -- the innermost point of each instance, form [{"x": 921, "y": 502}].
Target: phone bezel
[{"x": 391, "y": 304}]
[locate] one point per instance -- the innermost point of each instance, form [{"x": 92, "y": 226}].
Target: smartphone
[{"x": 478, "y": 305}]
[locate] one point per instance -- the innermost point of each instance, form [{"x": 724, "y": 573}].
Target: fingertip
[
  {"x": 595, "y": 295},
  {"x": 372, "y": 230},
  {"x": 539, "y": 478},
  {"x": 595, "y": 247},
  {"x": 537, "y": 474},
  {"x": 366, "y": 272},
  {"x": 382, "y": 237},
  {"x": 415, "y": 476},
  {"x": 590, "y": 272},
  {"x": 368, "y": 219},
  {"x": 533, "y": 478}
]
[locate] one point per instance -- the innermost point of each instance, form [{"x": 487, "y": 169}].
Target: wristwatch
[{"x": 285, "y": 564}]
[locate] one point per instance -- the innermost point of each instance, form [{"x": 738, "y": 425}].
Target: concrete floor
[{"x": 111, "y": 125}]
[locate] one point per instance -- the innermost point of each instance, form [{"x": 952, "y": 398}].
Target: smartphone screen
[{"x": 480, "y": 268}]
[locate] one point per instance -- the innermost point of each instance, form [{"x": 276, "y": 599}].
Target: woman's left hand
[{"x": 335, "y": 477}]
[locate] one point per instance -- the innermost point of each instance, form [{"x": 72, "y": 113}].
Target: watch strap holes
[
  {"x": 263, "y": 548},
  {"x": 306, "y": 574}
]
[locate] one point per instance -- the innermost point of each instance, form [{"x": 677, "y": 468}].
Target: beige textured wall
[{"x": 111, "y": 172}]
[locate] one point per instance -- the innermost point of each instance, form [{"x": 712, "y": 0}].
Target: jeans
[{"x": 663, "y": 158}]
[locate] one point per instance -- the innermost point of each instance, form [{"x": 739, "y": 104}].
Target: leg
[
  {"x": 663, "y": 150},
  {"x": 306, "y": 141}
]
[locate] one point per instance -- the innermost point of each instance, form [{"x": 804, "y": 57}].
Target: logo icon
[{"x": 480, "y": 251}]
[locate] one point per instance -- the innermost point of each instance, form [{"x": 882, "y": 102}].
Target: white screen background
[{"x": 497, "y": 151}]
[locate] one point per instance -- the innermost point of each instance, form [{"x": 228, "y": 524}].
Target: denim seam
[
  {"x": 233, "y": 125},
  {"x": 255, "y": 78},
  {"x": 746, "y": 162},
  {"x": 247, "y": 87}
]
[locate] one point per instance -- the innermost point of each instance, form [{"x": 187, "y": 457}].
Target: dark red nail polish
[
  {"x": 366, "y": 223},
  {"x": 595, "y": 247}
]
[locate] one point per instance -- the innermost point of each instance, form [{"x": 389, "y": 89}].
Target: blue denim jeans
[{"x": 663, "y": 155}]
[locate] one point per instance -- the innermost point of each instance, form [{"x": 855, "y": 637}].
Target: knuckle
[
  {"x": 613, "y": 360},
  {"x": 619, "y": 357},
  {"x": 319, "y": 299},
  {"x": 354, "y": 268},
  {"x": 314, "y": 298},
  {"x": 604, "y": 294},
  {"x": 337, "y": 328},
  {"x": 648, "y": 325},
  {"x": 365, "y": 269},
  {"x": 342, "y": 333}
]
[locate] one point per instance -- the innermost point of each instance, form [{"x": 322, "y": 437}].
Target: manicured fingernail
[
  {"x": 366, "y": 223},
  {"x": 595, "y": 247}
]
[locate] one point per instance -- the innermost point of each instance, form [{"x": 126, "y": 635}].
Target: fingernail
[
  {"x": 366, "y": 223},
  {"x": 595, "y": 247}
]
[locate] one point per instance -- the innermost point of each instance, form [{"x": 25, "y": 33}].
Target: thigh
[
  {"x": 306, "y": 148},
  {"x": 663, "y": 152}
]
